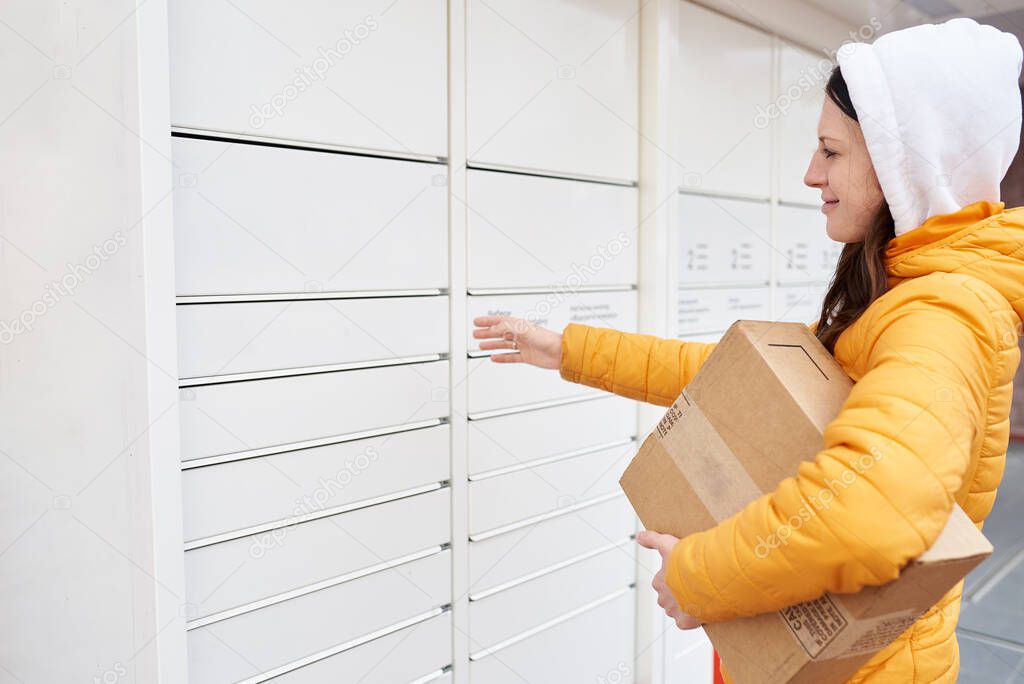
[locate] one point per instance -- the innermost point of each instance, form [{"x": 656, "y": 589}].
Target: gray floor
[{"x": 991, "y": 629}]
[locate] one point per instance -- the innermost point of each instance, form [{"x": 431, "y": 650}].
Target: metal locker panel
[
  {"x": 567, "y": 102},
  {"x": 508, "y": 441},
  {"x": 799, "y": 303},
  {"x": 806, "y": 253},
  {"x": 505, "y": 499},
  {"x": 286, "y": 632},
  {"x": 514, "y": 611},
  {"x": 234, "y": 573},
  {"x": 498, "y": 387},
  {"x": 401, "y": 656},
  {"x": 714, "y": 310},
  {"x": 515, "y": 554},
  {"x": 555, "y": 310},
  {"x": 528, "y": 231},
  {"x": 595, "y": 645},
  {"x": 723, "y": 92},
  {"x": 313, "y": 75},
  {"x": 241, "y": 416},
  {"x": 236, "y": 495},
  {"x": 724, "y": 241},
  {"x": 253, "y": 219},
  {"x": 248, "y": 337}
]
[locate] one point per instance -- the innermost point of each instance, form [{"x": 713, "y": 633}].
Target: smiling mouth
[{"x": 829, "y": 205}]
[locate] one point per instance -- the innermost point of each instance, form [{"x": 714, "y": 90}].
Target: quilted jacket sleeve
[
  {"x": 637, "y": 366},
  {"x": 883, "y": 486}
]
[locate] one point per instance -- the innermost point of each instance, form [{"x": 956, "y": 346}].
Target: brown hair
[{"x": 860, "y": 276}]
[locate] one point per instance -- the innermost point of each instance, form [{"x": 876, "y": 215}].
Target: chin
[{"x": 839, "y": 232}]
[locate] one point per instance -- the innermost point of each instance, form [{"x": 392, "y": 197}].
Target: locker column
[
  {"x": 312, "y": 291},
  {"x": 551, "y": 211}
]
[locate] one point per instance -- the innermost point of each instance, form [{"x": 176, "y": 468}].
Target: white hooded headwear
[{"x": 940, "y": 109}]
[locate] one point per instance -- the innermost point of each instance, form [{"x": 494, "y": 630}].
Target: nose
[{"x": 816, "y": 176}]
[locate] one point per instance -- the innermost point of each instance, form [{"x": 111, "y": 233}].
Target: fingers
[
  {"x": 650, "y": 539},
  {"x": 508, "y": 358}
]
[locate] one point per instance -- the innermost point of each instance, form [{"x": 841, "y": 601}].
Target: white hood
[{"x": 940, "y": 110}]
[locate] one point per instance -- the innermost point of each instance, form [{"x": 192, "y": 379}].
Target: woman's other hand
[
  {"x": 664, "y": 544},
  {"x": 537, "y": 346}
]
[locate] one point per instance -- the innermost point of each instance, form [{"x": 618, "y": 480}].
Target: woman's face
[{"x": 841, "y": 169}]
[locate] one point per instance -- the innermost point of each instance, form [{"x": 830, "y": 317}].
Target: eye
[{"x": 827, "y": 152}]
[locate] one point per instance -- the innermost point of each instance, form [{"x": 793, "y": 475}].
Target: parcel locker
[
  {"x": 252, "y": 337},
  {"x": 801, "y": 94},
  {"x": 806, "y": 254},
  {"x": 311, "y": 71},
  {"x": 529, "y": 231},
  {"x": 286, "y": 632},
  {"x": 553, "y": 85},
  {"x": 723, "y": 241},
  {"x": 580, "y": 646},
  {"x": 253, "y": 219},
  {"x": 722, "y": 97},
  {"x": 713, "y": 310}
]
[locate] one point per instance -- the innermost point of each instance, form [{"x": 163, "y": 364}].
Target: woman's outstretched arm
[{"x": 643, "y": 367}]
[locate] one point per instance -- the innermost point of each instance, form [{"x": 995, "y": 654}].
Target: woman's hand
[
  {"x": 664, "y": 543},
  {"x": 537, "y": 346}
]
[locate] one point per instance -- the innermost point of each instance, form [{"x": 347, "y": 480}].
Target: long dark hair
[{"x": 860, "y": 276}]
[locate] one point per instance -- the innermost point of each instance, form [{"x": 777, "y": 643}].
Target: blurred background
[{"x": 245, "y": 433}]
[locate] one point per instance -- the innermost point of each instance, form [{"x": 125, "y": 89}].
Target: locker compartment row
[
  {"x": 509, "y": 613},
  {"x": 225, "y": 498},
  {"x": 567, "y": 104},
  {"x": 519, "y": 439},
  {"x": 269, "y": 564},
  {"x": 232, "y": 417},
  {"x": 531, "y": 231},
  {"x": 729, "y": 241},
  {"x": 501, "y": 500},
  {"x": 714, "y": 310},
  {"x": 407, "y": 655},
  {"x": 315, "y": 74},
  {"x": 555, "y": 310},
  {"x": 256, "y": 219},
  {"x": 727, "y": 139},
  {"x": 706, "y": 313},
  {"x": 252, "y": 337},
  {"x": 594, "y": 644},
  {"x": 286, "y": 635},
  {"x": 688, "y": 654},
  {"x": 532, "y": 550}
]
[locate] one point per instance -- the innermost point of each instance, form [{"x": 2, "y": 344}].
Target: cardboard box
[{"x": 757, "y": 408}]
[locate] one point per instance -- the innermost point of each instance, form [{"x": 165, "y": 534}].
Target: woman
[{"x": 923, "y": 312}]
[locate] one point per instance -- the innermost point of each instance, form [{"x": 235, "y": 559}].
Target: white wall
[{"x": 87, "y": 403}]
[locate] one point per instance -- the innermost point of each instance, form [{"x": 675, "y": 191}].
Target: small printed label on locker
[
  {"x": 724, "y": 240},
  {"x": 714, "y": 310},
  {"x": 554, "y": 310}
]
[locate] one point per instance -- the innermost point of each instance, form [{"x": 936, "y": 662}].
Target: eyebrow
[{"x": 823, "y": 138}]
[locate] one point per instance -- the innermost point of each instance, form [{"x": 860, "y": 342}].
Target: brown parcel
[{"x": 756, "y": 409}]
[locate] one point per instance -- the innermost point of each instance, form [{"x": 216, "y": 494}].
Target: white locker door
[
  {"x": 528, "y": 231},
  {"x": 552, "y": 86},
  {"x": 723, "y": 89},
  {"x": 362, "y": 73},
  {"x": 801, "y": 94},
  {"x": 806, "y": 253},
  {"x": 724, "y": 241},
  {"x": 254, "y": 219}
]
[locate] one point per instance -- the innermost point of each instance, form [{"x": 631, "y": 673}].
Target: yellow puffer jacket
[{"x": 933, "y": 361}]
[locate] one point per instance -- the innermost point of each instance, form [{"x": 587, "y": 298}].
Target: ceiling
[{"x": 1007, "y": 15}]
